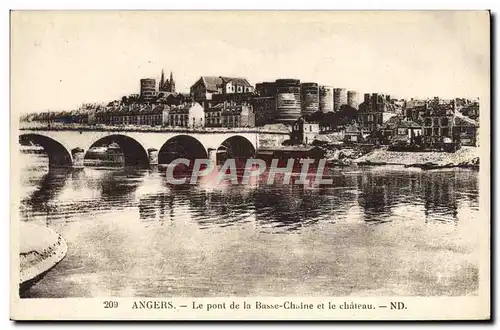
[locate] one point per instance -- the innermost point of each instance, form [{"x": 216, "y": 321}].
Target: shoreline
[{"x": 466, "y": 157}]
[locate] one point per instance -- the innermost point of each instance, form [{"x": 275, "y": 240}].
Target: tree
[{"x": 346, "y": 115}]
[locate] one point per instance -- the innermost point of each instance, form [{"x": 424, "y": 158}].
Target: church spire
[
  {"x": 162, "y": 81},
  {"x": 172, "y": 82}
]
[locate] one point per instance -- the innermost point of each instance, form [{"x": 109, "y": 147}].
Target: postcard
[{"x": 250, "y": 165}]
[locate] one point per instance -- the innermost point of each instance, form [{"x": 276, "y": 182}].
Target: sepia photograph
[{"x": 266, "y": 157}]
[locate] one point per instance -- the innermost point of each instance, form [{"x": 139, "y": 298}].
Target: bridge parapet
[
  {"x": 145, "y": 144},
  {"x": 138, "y": 128}
]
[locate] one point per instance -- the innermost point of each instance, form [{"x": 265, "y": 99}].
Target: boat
[
  {"x": 431, "y": 166},
  {"x": 370, "y": 163}
]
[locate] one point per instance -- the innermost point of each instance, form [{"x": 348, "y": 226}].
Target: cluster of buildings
[
  {"x": 429, "y": 123},
  {"x": 306, "y": 108}
]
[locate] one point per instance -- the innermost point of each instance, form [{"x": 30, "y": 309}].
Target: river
[{"x": 375, "y": 231}]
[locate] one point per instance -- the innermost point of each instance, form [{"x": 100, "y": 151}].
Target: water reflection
[
  {"x": 129, "y": 228},
  {"x": 292, "y": 207}
]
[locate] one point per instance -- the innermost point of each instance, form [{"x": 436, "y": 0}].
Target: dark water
[{"x": 376, "y": 231}]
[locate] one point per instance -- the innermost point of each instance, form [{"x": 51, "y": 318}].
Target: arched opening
[
  {"x": 236, "y": 147},
  {"x": 181, "y": 146},
  {"x": 116, "y": 149},
  {"x": 58, "y": 155}
]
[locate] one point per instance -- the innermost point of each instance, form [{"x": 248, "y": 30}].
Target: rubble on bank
[{"x": 466, "y": 157}]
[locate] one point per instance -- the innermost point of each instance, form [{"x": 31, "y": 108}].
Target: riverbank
[
  {"x": 40, "y": 249},
  {"x": 464, "y": 157}
]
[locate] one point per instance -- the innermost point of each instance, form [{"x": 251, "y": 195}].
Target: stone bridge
[{"x": 67, "y": 145}]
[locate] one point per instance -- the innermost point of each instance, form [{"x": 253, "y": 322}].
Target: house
[
  {"x": 438, "y": 122},
  {"x": 471, "y": 110},
  {"x": 304, "y": 132},
  {"x": 399, "y": 129},
  {"x": 414, "y": 110},
  {"x": 237, "y": 115},
  {"x": 206, "y": 86},
  {"x": 134, "y": 114},
  {"x": 354, "y": 133},
  {"x": 375, "y": 111},
  {"x": 213, "y": 115},
  {"x": 465, "y": 130},
  {"x": 190, "y": 115}
]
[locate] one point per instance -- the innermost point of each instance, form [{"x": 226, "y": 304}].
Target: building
[
  {"x": 304, "y": 132},
  {"x": 213, "y": 115},
  {"x": 148, "y": 89},
  {"x": 166, "y": 85},
  {"x": 414, "y": 110},
  {"x": 354, "y": 133},
  {"x": 471, "y": 110},
  {"x": 400, "y": 130},
  {"x": 137, "y": 114},
  {"x": 189, "y": 115},
  {"x": 438, "y": 122},
  {"x": 465, "y": 130},
  {"x": 266, "y": 88},
  {"x": 375, "y": 110},
  {"x": 205, "y": 87},
  {"x": 170, "y": 98},
  {"x": 265, "y": 110},
  {"x": 237, "y": 115}
]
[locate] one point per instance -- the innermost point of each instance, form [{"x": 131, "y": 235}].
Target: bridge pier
[
  {"x": 153, "y": 156},
  {"x": 212, "y": 156},
  {"x": 78, "y": 155}
]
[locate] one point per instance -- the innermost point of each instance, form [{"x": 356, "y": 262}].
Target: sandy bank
[
  {"x": 40, "y": 249},
  {"x": 465, "y": 155}
]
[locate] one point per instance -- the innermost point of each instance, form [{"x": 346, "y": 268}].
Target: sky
[{"x": 60, "y": 60}]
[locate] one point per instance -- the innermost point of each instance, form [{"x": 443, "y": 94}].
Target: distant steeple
[
  {"x": 172, "y": 83},
  {"x": 162, "y": 81}
]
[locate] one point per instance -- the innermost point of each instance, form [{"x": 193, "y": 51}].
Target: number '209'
[{"x": 110, "y": 304}]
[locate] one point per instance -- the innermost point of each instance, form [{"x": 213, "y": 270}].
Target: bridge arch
[
  {"x": 236, "y": 146},
  {"x": 181, "y": 146},
  {"x": 59, "y": 155},
  {"x": 134, "y": 153}
]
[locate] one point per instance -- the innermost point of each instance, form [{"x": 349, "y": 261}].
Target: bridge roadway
[{"x": 67, "y": 144}]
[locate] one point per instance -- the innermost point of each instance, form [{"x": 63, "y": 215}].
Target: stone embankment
[
  {"x": 464, "y": 157},
  {"x": 40, "y": 249}
]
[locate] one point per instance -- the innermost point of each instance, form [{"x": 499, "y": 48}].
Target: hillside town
[{"x": 313, "y": 114}]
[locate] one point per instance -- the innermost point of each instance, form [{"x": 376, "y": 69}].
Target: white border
[{"x": 198, "y": 4}]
